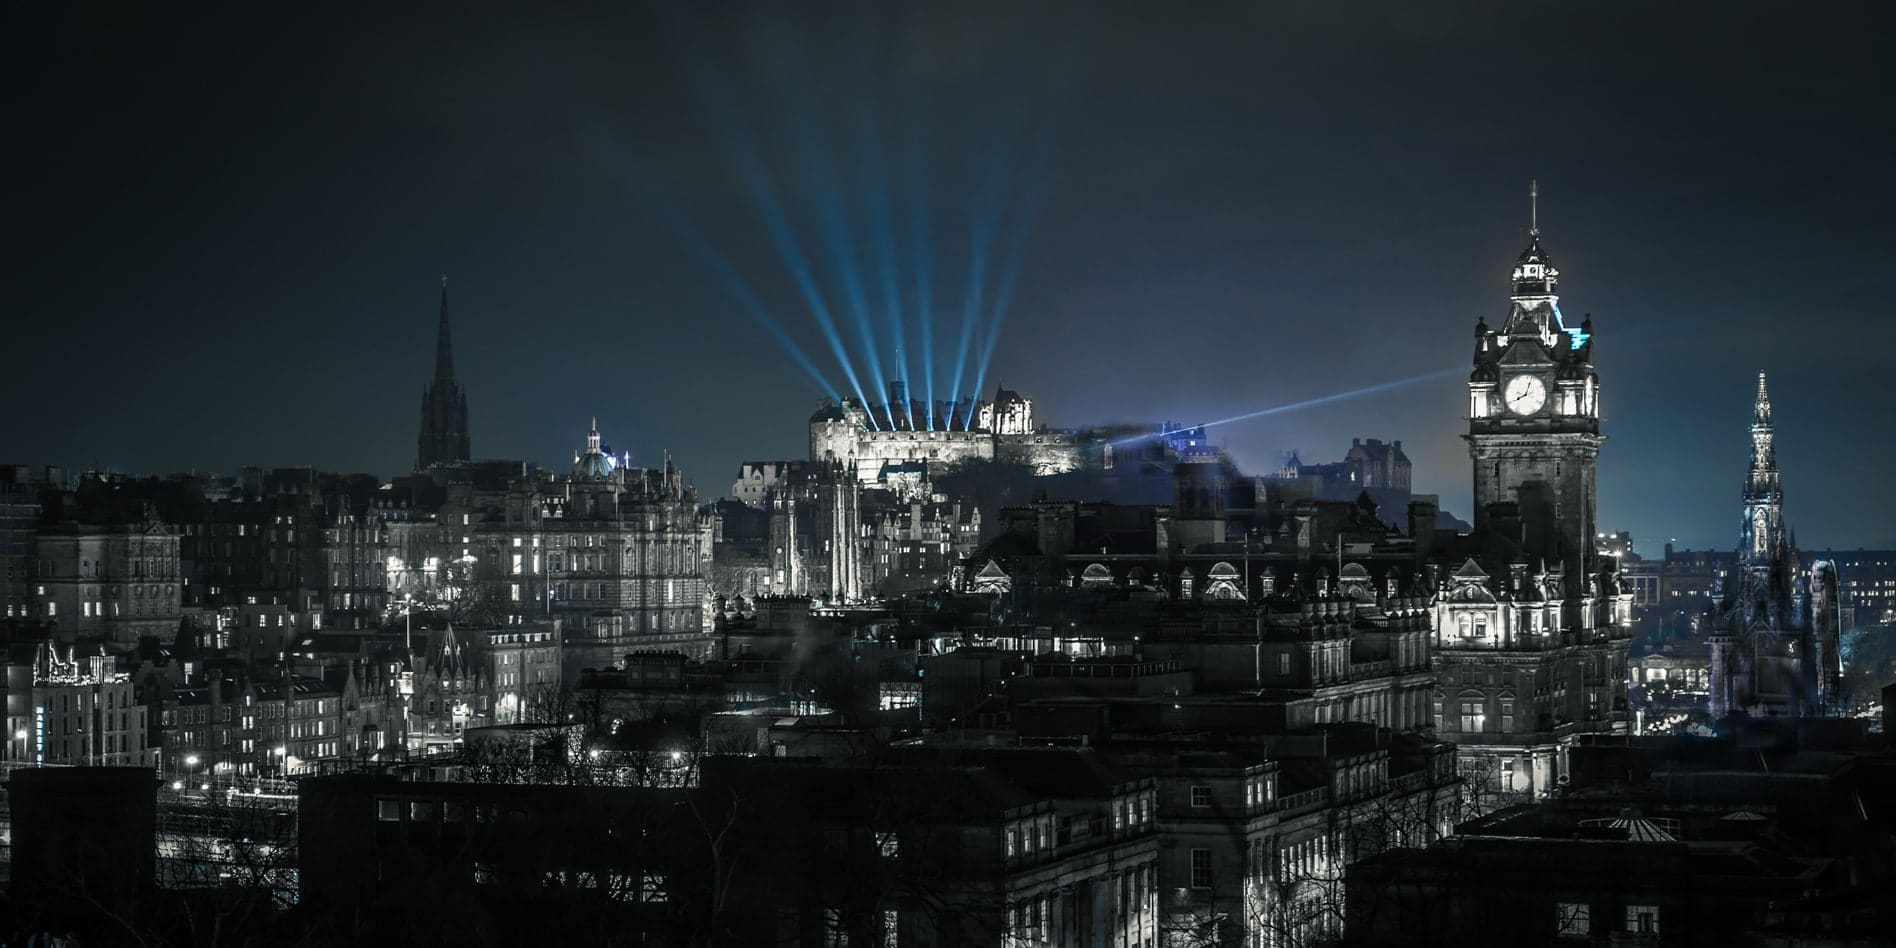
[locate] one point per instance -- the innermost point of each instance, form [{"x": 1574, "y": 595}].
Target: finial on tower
[
  {"x": 444, "y": 281},
  {"x": 1533, "y": 203}
]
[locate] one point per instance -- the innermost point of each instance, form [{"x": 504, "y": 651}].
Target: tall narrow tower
[
  {"x": 1534, "y": 423},
  {"x": 1764, "y": 495},
  {"x": 443, "y": 404}
]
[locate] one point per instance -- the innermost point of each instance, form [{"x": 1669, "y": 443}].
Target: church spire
[
  {"x": 444, "y": 342},
  {"x": 443, "y": 403},
  {"x": 1533, "y": 208}
]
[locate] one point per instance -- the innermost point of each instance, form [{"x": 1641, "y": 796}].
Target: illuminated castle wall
[{"x": 902, "y": 431}]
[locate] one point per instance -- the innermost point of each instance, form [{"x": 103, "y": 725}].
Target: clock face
[{"x": 1525, "y": 395}]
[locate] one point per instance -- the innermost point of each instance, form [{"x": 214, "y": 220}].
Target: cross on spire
[{"x": 1533, "y": 203}]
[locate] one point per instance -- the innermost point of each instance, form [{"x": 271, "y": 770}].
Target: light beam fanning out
[
  {"x": 1039, "y": 166},
  {"x": 920, "y": 222},
  {"x": 726, "y": 124},
  {"x": 720, "y": 269},
  {"x": 1319, "y": 400}
]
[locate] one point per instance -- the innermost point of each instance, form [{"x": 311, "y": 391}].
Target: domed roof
[{"x": 594, "y": 464}]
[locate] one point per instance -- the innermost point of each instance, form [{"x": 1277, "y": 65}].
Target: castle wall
[{"x": 1046, "y": 452}]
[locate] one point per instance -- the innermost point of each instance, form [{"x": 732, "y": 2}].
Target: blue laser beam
[
  {"x": 1039, "y": 167},
  {"x": 741, "y": 150},
  {"x": 920, "y": 246},
  {"x": 720, "y": 269},
  {"x": 817, "y": 165},
  {"x": 984, "y": 213},
  {"x": 1319, "y": 400},
  {"x": 883, "y": 239}
]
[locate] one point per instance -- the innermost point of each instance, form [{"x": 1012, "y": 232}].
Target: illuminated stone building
[
  {"x": 443, "y": 438},
  {"x": 1774, "y": 630},
  {"x": 817, "y": 542},
  {"x": 113, "y": 581},
  {"x": 84, "y": 713},
  {"x": 916, "y": 544},
  {"x": 451, "y": 692},
  {"x": 903, "y": 430},
  {"x": 1531, "y": 625},
  {"x": 276, "y": 726},
  {"x": 628, "y": 554},
  {"x": 616, "y": 557}
]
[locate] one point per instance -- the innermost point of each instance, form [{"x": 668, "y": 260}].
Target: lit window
[
  {"x": 388, "y": 811},
  {"x": 1642, "y": 919},
  {"x": 652, "y": 888},
  {"x": 1472, "y": 717}
]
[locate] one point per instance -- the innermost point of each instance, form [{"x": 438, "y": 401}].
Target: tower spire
[
  {"x": 1764, "y": 493},
  {"x": 444, "y": 342},
  {"x": 443, "y": 403},
  {"x": 1533, "y": 205}
]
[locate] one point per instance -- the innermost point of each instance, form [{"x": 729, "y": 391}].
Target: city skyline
[
  {"x": 949, "y": 474},
  {"x": 1295, "y": 276}
]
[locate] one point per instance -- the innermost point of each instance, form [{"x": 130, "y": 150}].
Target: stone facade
[
  {"x": 109, "y": 581},
  {"x": 1775, "y": 627},
  {"x": 1531, "y": 628},
  {"x": 870, "y": 438}
]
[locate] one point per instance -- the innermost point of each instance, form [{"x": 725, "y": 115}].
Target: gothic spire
[
  {"x": 1764, "y": 494},
  {"x": 443, "y": 404},
  {"x": 444, "y": 344}
]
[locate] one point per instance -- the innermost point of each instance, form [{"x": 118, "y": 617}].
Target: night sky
[{"x": 229, "y": 230}]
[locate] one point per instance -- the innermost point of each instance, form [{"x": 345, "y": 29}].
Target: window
[
  {"x": 652, "y": 888},
  {"x": 1201, "y": 868},
  {"x": 890, "y": 844},
  {"x": 1283, "y": 663},
  {"x": 1472, "y": 717},
  {"x": 1201, "y": 796},
  {"x": 388, "y": 810},
  {"x": 421, "y": 811},
  {"x": 1642, "y": 919},
  {"x": 1573, "y": 919}
]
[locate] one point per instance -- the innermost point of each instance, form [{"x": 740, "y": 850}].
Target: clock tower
[{"x": 1534, "y": 424}]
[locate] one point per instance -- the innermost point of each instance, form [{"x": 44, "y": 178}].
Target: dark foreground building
[
  {"x": 1779, "y": 834},
  {"x": 393, "y": 861},
  {"x": 84, "y": 848}
]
